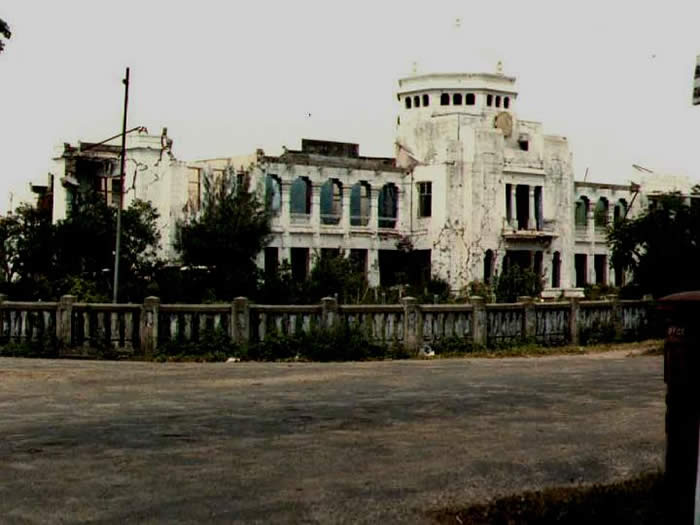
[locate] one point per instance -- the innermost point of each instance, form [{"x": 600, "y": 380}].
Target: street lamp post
[{"x": 117, "y": 249}]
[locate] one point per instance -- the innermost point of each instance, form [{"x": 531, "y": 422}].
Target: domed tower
[
  {"x": 488, "y": 189},
  {"x": 434, "y": 107}
]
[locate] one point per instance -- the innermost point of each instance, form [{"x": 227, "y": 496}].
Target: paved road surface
[{"x": 111, "y": 442}]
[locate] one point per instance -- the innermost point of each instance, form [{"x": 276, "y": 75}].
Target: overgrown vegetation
[
  {"x": 514, "y": 282},
  {"x": 661, "y": 248},
  {"x": 637, "y": 501}
]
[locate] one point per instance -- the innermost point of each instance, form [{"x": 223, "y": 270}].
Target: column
[
  {"x": 373, "y": 207},
  {"x": 513, "y": 211},
  {"x": 590, "y": 266},
  {"x": 345, "y": 219},
  {"x": 315, "y": 216},
  {"x": 373, "y": 267},
  {"x": 531, "y": 220}
]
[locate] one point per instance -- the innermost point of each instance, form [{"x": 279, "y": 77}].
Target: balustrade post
[
  {"x": 149, "y": 326},
  {"x": 329, "y": 312},
  {"x": 412, "y": 324},
  {"x": 64, "y": 316},
  {"x": 616, "y": 314},
  {"x": 573, "y": 321},
  {"x": 240, "y": 320},
  {"x": 479, "y": 321},
  {"x": 529, "y": 317}
]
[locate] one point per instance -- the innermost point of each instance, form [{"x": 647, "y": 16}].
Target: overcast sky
[{"x": 615, "y": 77}]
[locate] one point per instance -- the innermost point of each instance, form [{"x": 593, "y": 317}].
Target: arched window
[
  {"x": 331, "y": 202},
  {"x": 457, "y": 99},
  {"x": 556, "y": 270},
  {"x": 408, "y": 102},
  {"x": 273, "y": 194},
  {"x": 581, "y": 216},
  {"x": 488, "y": 266},
  {"x": 469, "y": 99},
  {"x": 620, "y": 211},
  {"x": 416, "y": 101},
  {"x": 498, "y": 101},
  {"x": 426, "y": 101},
  {"x": 388, "y": 206},
  {"x": 489, "y": 100},
  {"x": 506, "y": 102},
  {"x": 300, "y": 200},
  {"x": 444, "y": 99},
  {"x": 359, "y": 204},
  {"x": 600, "y": 215}
]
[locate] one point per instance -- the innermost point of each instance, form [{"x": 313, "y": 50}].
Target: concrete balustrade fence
[{"x": 138, "y": 329}]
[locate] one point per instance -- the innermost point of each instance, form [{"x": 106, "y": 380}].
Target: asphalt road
[{"x": 109, "y": 442}]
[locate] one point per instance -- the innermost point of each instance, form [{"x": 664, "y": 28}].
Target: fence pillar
[
  {"x": 573, "y": 321},
  {"x": 479, "y": 321},
  {"x": 240, "y": 320},
  {"x": 329, "y": 312},
  {"x": 3, "y": 298},
  {"x": 64, "y": 315},
  {"x": 615, "y": 314},
  {"x": 149, "y": 326},
  {"x": 412, "y": 324},
  {"x": 529, "y": 317}
]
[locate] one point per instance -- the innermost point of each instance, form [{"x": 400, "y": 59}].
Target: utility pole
[{"x": 121, "y": 191}]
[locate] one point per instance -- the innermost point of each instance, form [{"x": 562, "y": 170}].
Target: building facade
[{"x": 472, "y": 188}]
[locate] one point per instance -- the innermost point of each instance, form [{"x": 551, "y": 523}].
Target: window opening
[
  {"x": 426, "y": 101},
  {"x": 359, "y": 204},
  {"x": 457, "y": 99},
  {"x": 469, "y": 99},
  {"x": 556, "y": 270},
  {"x": 488, "y": 266},
  {"x": 416, "y": 101},
  {"x": 300, "y": 200},
  {"x": 444, "y": 99},
  {"x": 425, "y": 191},
  {"x": 506, "y": 102},
  {"x": 489, "y": 100},
  {"x": 273, "y": 194},
  {"x": 388, "y": 206},
  {"x": 331, "y": 202},
  {"x": 408, "y": 102},
  {"x": 498, "y": 101}
]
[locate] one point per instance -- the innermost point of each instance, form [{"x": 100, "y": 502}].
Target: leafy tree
[
  {"x": 335, "y": 273},
  {"x": 26, "y": 251},
  {"x": 4, "y": 31},
  {"x": 226, "y": 236},
  {"x": 516, "y": 281},
  {"x": 661, "y": 248},
  {"x": 85, "y": 242}
]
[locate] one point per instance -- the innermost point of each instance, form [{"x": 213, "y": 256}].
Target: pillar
[
  {"x": 573, "y": 321},
  {"x": 412, "y": 324},
  {"x": 64, "y": 315},
  {"x": 529, "y": 317},
  {"x": 149, "y": 326},
  {"x": 531, "y": 219},
  {"x": 513, "y": 211},
  {"x": 329, "y": 312},
  {"x": 479, "y": 321},
  {"x": 373, "y": 208},
  {"x": 240, "y": 320}
]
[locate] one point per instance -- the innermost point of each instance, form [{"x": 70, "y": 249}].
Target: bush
[
  {"x": 45, "y": 347},
  {"x": 514, "y": 282},
  {"x": 213, "y": 345}
]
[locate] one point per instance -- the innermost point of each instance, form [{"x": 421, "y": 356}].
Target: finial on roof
[
  {"x": 458, "y": 23},
  {"x": 499, "y": 67}
]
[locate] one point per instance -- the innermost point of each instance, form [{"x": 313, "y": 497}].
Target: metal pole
[{"x": 121, "y": 191}]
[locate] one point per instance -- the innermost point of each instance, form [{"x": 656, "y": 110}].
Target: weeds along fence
[{"x": 138, "y": 329}]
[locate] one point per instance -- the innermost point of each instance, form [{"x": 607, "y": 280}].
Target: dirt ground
[{"x": 127, "y": 442}]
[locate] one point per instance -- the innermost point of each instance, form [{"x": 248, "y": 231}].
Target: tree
[
  {"x": 516, "y": 281},
  {"x": 661, "y": 248},
  {"x": 225, "y": 237},
  {"x": 84, "y": 248},
  {"x": 4, "y": 31}
]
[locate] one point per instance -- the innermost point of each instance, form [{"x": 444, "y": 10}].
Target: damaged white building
[{"x": 472, "y": 187}]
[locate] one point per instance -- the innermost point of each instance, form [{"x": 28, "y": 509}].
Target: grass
[
  {"x": 637, "y": 501},
  {"x": 648, "y": 347}
]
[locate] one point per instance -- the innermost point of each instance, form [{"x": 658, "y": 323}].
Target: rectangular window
[
  {"x": 271, "y": 261},
  {"x": 581, "y": 268},
  {"x": 601, "y": 267},
  {"x": 300, "y": 263},
  {"x": 425, "y": 195},
  {"x": 194, "y": 189}
]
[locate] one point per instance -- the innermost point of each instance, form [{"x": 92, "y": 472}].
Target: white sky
[{"x": 615, "y": 77}]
